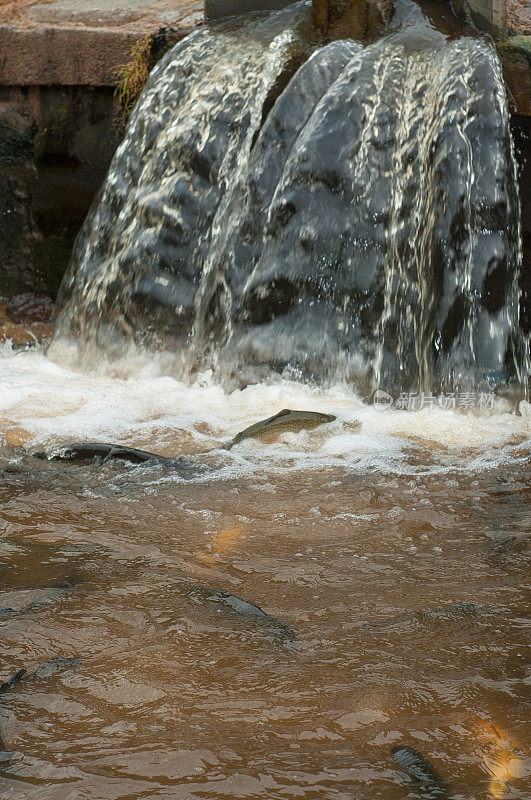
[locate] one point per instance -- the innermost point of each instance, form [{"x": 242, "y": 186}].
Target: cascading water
[
  {"x": 329, "y": 611},
  {"x": 365, "y": 228}
]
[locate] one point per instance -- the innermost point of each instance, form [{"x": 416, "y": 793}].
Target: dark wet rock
[
  {"x": 334, "y": 294},
  {"x": 365, "y": 228},
  {"x": 522, "y": 45},
  {"x": 515, "y": 55},
  {"x": 352, "y": 19},
  {"x": 285, "y": 420},
  {"x": 169, "y": 183},
  {"x": 30, "y": 307},
  {"x": 219, "y": 9},
  {"x": 18, "y": 232},
  {"x": 421, "y": 772},
  {"x": 453, "y": 611}
]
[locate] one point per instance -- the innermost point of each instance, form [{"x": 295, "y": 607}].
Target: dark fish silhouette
[
  {"x": 16, "y": 678},
  {"x": 87, "y": 451},
  {"x": 444, "y": 613},
  {"x": 6, "y": 687},
  {"x": 506, "y": 548},
  {"x": 54, "y": 666},
  {"x": 285, "y": 420},
  {"x": 46, "y": 670},
  {"x": 421, "y": 772},
  {"x": 254, "y": 614},
  {"x": 54, "y": 593}
]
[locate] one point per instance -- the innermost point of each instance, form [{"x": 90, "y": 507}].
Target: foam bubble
[{"x": 53, "y": 403}]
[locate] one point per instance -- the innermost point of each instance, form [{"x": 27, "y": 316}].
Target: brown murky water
[{"x": 178, "y": 696}]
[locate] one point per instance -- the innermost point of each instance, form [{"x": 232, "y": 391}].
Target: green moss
[
  {"x": 515, "y": 56},
  {"x": 132, "y": 76},
  {"x": 16, "y": 147},
  {"x": 519, "y": 46}
]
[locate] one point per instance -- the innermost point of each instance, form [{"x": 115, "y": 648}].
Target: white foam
[{"x": 56, "y": 404}]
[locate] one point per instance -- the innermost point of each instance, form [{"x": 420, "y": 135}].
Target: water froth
[{"x": 138, "y": 402}]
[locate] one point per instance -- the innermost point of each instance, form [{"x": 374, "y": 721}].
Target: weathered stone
[
  {"x": 29, "y": 307},
  {"x": 515, "y": 56},
  {"x": 58, "y": 119},
  {"x": 521, "y": 131},
  {"x": 18, "y": 233},
  {"x": 487, "y": 15},
  {"x": 21, "y": 334},
  {"x": 56, "y": 144},
  {"x": 362, "y": 20},
  {"x": 81, "y": 42},
  {"x": 520, "y": 45},
  {"x": 518, "y": 17},
  {"x": 220, "y": 9}
]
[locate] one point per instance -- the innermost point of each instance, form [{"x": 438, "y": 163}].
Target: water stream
[
  {"x": 365, "y": 228},
  {"x": 282, "y": 227}
]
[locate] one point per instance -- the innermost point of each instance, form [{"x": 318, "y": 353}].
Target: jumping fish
[
  {"x": 285, "y": 420},
  {"x": 445, "y": 613},
  {"x": 421, "y": 772}
]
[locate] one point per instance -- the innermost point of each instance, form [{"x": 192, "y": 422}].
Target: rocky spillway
[{"x": 360, "y": 224}]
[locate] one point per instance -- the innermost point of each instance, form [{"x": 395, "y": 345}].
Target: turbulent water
[
  {"x": 392, "y": 545},
  {"x": 363, "y": 228},
  {"x": 357, "y": 224}
]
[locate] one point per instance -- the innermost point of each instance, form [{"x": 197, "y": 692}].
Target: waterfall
[{"x": 360, "y": 223}]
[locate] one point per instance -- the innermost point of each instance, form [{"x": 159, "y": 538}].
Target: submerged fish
[
  {"x": 504, "y": 548},
  {"x": 87, "y": 451},
  {"x": 46, "y": 670},
  {"x": 444, "y": 613},
  {"x": 16, "y": 678},
  {"x": 285, "y": 420},
  {"x": 55, "y": 666},
  {"x": 47, "y": 597},
  {"x": 245, "y": 608},
  {"x": 421, "y": 771},
  {"x": 6, "y": 687}
]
